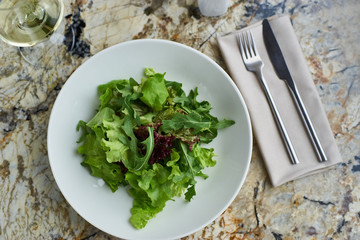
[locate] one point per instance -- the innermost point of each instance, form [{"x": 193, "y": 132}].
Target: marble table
[{"x": 321, "y": 206}]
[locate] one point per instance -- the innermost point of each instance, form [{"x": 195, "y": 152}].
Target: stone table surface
[{"x": 321, "y": 206}]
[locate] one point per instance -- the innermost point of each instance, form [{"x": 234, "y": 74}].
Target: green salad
[{"x": 148, "y": 138}]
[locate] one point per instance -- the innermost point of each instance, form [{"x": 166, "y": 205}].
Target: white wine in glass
[{"x": 26, "y": 23}]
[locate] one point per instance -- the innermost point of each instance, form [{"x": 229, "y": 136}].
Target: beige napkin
[{"x": 265, "y": 130}]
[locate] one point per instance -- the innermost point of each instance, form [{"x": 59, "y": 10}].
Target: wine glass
[{"x": 29, "y": 25}]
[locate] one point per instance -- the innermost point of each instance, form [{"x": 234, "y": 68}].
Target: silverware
[
  {"x": 254, "y": 64},
  {"x": 283, "y": 73}
]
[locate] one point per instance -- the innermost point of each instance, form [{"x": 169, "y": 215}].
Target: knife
[{"x": 282, "y": 71}]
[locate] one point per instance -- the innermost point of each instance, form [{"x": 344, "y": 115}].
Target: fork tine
[
  {"x": 253, "y": 46},
  {"x": 247, "y": 44},
  {"x": 250, "y": 44},
  {"x": 241, "y": 45}
]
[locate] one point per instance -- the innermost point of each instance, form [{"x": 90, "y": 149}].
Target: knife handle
[
  {"x": 309, "y": 126},
  {"x": 288, "y": 144}
]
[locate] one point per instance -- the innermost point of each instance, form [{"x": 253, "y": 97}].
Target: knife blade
[
  {"x": 278, "y": 61},
  {"x": 275, "y": 54}
]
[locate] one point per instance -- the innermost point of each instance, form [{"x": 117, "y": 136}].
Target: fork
[{"x": 253, "y": 63}]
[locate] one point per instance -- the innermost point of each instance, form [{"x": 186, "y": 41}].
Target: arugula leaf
[
  {"x": 126, "y": 103},
  {"x": 174, "y": 88},
  {"x": 112, "y": 85},
  {"x": 85, "y": 130},
  {"x": 190, "y": 193},
  {"x": 190, "y": 168},
  {"x": 224, "y": 123},
  {"x": 193, "y": 121},
  {"x": 134, "y": 161}
]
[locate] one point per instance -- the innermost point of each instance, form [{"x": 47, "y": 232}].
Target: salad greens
[{"x": 147, "y": 136}]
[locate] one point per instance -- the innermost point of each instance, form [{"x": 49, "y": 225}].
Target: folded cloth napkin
[{"x": 265, "y": 130}]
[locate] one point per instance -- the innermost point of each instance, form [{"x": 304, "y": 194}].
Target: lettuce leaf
[
  {"x": 151, "y": 190},
  {"x": 95, "y": 159},
  {"x": 154, "y": 91}
]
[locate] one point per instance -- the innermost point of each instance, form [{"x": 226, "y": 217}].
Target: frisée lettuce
[{"x": 148, "y": 136}]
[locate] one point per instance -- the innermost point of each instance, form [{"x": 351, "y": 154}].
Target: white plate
[{"x": 78, "y": 100}]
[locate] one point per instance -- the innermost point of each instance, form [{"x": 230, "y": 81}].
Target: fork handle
[{"x": 288, "y": 144}]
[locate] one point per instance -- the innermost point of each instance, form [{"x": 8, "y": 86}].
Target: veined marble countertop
[{"x": 321, "y": 206}]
